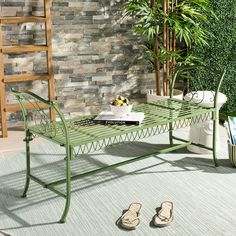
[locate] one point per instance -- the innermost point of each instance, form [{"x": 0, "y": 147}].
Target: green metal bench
[{"x": 82, "y": 135}]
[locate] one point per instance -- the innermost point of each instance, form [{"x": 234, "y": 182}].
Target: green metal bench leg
[
  {"x": 215, "y": 117},
  {"x": 214, "y": 141},
  {"x": 68, "y": 185},
  {"x": 170, "y": 134},
  {"x": 28, "y": 138}
]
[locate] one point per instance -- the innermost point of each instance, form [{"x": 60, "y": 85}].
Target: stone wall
[{"x": 95, "y": 54}]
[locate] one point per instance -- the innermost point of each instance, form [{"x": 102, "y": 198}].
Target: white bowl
[{"x": 121, "y": 111}]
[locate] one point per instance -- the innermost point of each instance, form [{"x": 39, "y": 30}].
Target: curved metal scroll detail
[
  {"x": 39, "y": 117},
  {"x": 200, "y": 96},
  {"x": 201, "y": 92}
]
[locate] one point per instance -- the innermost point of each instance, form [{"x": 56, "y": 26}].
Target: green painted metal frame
[{"x": 174, "y": 114}]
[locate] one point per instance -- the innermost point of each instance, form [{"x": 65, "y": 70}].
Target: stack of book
[
  {"x": 108, "y": 118},
  {"x": 231, "y": 130},
  {"x": 230, "y": 126}
]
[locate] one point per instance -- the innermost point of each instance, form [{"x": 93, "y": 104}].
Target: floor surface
[{"x": 203, "y": 195}]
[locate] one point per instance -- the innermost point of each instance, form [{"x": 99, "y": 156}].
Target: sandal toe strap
[
  {"x": 130, "y": 218},
  {"x": 164, "y": 218}
]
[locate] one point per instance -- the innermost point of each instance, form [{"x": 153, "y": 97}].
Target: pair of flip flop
[{"x": 130, "y": 219}]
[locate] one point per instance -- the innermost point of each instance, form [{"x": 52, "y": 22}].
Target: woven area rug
[{"x": 204, "y": 197}]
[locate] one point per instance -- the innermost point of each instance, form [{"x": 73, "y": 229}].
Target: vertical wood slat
[
  {"x": 166, "y": 48},
  {"x": 170, "y": 45},
  {"x": 2, "y": 91},
  {"x": 169, "y": 48},
  {"x": 48, "y": 33},
  {"x": 174, "y": 36},
  {"x": 156, "y": 61},
  {"x": 171, "y": 39},
  {"x": 168, "y": 64}
]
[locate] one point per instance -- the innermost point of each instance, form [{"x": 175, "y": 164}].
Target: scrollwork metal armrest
[{"x": 31, "y": 101}]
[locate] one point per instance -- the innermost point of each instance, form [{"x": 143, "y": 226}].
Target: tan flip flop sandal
[
  {"x": 129, "y": 220},
  {"x": 165, "y": 216}
]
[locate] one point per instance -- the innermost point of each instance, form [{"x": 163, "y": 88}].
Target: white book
[
  {"x": 226, "y": 125},
  {"x": 108, "y": 118},
  {"x": 232, "y": 128}
]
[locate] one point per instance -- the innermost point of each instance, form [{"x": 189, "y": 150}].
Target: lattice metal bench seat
[
  {"x": 88, "y": 136},
  {"x": 82, "y": 135}
]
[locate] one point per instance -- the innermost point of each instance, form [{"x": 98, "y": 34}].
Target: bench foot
[
  {"x": 61, "y": 221},
  {"x": 66, "y": 209},
  {"x": 26, "y": 187}
]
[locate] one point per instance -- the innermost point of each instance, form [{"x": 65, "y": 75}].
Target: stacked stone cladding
[{"x": 95, "y": 54}]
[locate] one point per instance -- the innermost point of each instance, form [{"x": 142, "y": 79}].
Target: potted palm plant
[{"x": 168, "y": 29}]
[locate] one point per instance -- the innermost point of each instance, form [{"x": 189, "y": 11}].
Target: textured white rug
[{"x": 204, "y": 197}]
